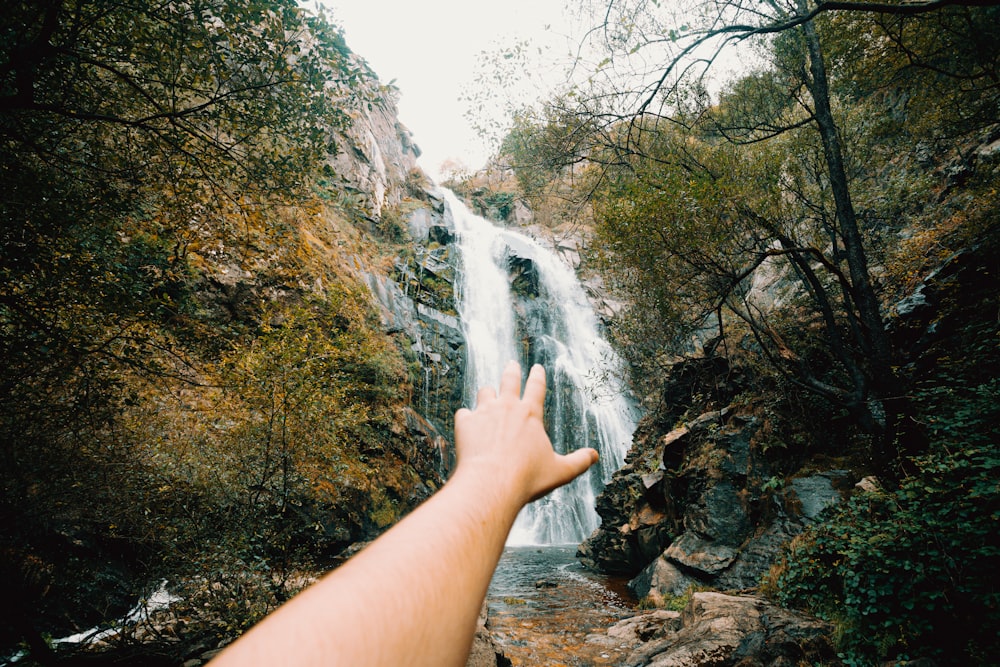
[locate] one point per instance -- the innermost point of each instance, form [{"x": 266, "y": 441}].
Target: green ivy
[{"x": 910, "y": 572}]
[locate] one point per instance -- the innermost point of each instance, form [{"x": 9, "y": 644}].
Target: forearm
[{"x": 415, "y": 592}]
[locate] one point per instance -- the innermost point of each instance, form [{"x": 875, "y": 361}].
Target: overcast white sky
[{"x": 431, "y": 48}]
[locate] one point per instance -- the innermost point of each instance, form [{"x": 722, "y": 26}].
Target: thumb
[
  {"x": 578, "y": 461},
  {"x": 568, "y": 467}
]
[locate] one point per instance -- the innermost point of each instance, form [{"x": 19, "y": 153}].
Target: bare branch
[{"x": 905, "y": 9}]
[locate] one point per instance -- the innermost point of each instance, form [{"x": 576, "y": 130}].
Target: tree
[
  {"x": 790, "y": 90},
  {"x": 128, "y": 132},
  {"x": 133, "y": 134}
]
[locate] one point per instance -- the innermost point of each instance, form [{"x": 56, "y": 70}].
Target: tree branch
[{"x": 905, "y": 9}]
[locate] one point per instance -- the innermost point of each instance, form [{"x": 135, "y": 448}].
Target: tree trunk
[{"x": 878, "y": 405}]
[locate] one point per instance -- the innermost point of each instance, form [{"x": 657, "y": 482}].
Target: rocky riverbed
[
  {"x": 545, "y": 610},
  {"x": 543, "y": 606}
]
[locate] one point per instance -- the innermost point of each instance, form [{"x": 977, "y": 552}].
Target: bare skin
[{"x": 412, "y": 597}]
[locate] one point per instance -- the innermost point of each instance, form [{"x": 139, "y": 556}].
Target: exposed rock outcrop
[
  {"x": 377, "y": 153},
  {"x": 485, "y": 651},
  {"x": 721, "y": 630},
  {"x": 698, "y": 505},
  {"x": 417, "y": 304}
]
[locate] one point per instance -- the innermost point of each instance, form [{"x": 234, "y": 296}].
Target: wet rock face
[
  {"x": 731, "y": 530},
  {"x": 689, "y": 509},
  {"x": 637, "y": 525},
  {"x": 525, "y": 281},
  {"x": 417, "y": 303},
  {"x": 642, "y": 508}
]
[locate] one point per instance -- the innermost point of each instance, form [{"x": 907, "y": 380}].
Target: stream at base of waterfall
[{"x": 543, "y": 605}]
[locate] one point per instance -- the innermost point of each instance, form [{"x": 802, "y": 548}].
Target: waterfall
[{"x": 554, "y": 325}]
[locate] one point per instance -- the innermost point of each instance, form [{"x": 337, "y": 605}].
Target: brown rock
[
  {"x": 661, "y": 580},
  {"x": 730, "y": 631},
  {"x": 485, "y": 651},
  {"x": 692, "y": 550},
  {"x": 645, "y": 626}
]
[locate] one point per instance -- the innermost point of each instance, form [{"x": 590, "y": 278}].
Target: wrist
[{"x": 491, "y": 486}]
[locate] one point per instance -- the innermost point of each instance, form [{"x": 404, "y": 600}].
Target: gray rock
[
  {"x": 723, "y": 630},
  {"x": 719, "y": 514},
  {"x": 661, "y": 580},
  {"x": 485, "y": 651},
  {"x": 377, "y": 154},
  {"x": 815, "y": 493},
  {"x": 694, "y": 551},
  {"x": 868, "y": 484},
  {"x": 440, "y": 234},
  {"x": 757, "y": 555},
  {"x": 644, "y": 627},
  {"x": 419, "y": 224},
  {"x": 916, "y": 301},
  {"x": 707, "y": 418}
]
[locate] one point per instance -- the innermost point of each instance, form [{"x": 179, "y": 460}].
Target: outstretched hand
[{"x": 504, "y": 439}]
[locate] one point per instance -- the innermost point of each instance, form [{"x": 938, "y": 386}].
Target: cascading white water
[{"x": 586, "y": 405}]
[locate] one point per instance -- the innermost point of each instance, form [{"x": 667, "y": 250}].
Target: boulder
[
  {"x": 721, "y": 630},
  {"x": 725, "y": 549},
  {"x": 757, "y": 555},
  {"x": 689, "y": 507},
  {"x": 718, "y": 514},
  {"x": 815, "y": 493},
  {"x": 644, "y": 627},
  {"x": 642, "y": 508},
  {"x": 637, "y": 523},
  {"x": 941, "y": 302},
  {"x": 661, "y": 580},
  {"x": 696, "y": 552},
  {"x": 485, "y": 651}
]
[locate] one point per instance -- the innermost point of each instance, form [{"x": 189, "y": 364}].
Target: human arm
[{"x": 412, "y": 597}]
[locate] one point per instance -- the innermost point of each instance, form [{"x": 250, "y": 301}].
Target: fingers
[
  {"x": 576, "y": 463},
  {"x": 485, "y": 394},
  {"x": 510, "y": 381},
  {"x": 534, "y": 388},
  {"x": 509, "y": 432},
  {"x": 510, "y": 385}
]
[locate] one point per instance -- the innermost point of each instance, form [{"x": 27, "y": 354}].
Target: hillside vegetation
[{"x": 195, "y": 384}]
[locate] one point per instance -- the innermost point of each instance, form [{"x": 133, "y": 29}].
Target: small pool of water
[{"x": 543, "y": 604}]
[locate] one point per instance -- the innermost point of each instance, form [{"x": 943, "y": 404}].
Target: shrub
[{"x": 910, "y": 573}]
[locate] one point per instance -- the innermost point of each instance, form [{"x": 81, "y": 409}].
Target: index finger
[
  {"x": 510, "y": 381},
  {"x": 534, "y": 387}
]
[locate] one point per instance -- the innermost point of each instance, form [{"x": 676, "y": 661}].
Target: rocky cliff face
[
  {"x": 377, "y": 153},
  {"x": 697, "y": 504},
  {"x": 417, "y": 303},
  {"x": 416, "y": 294},
  {"x": 702, "y": 504}
]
